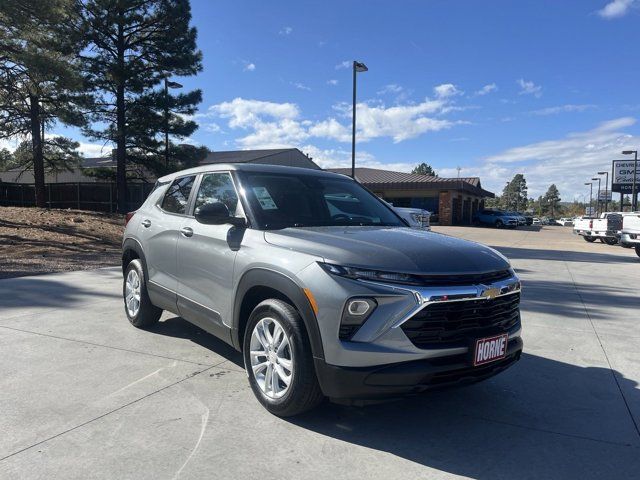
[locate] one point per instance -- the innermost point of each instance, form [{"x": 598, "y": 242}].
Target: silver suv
[{"x": 321, "y": 285}]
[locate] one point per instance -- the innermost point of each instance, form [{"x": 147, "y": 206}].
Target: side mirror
[{"x": 217, "y": 213}]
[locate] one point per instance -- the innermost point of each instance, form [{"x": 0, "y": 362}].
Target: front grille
[
  {"x": 462, "y": 280},
  {"x": 450, "y": 324}
]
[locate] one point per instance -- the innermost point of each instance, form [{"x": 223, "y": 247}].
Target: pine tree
[
  {"x": 514, "y": 195},
  {"x": 135, "y": 46},
  {"x": 424, "y": 169},
  {"x": 552, "y": 198},
  {"x": 39, "y": 76},
  {"x": 59, "y": 154}
]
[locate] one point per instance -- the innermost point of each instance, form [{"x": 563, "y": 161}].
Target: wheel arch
[
  {"x": 260, "y": 284},
  {"x": 131, "y": 250}
]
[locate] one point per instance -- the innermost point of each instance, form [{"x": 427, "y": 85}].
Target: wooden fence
[{"x": 95, "y": 196}]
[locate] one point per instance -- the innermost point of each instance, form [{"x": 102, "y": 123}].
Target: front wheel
[
  {"x": 278, "y": 360},
  {"x": 589, "y": 239},
  {"x": 610, "y": 241},
  {"x": 638, "y": 250},
  {"x": 499, "y": 224}
]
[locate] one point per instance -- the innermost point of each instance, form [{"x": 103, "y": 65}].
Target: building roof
[
  {"x": 386, "y": 179},
  {"x": 291, "y": 157}
]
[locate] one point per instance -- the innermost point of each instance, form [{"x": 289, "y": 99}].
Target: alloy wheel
[
  {"x": 132, "y": 293},
  {"x": 271, "y": 358}
]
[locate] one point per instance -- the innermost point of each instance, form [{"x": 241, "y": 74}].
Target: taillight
[
  {"x": 590, "y": 224},
  {"x": 128, "y": 217}
]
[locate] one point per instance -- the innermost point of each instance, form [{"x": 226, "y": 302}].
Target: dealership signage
[
  {"x": 604, "y": 196},
  {"x": 622, "y": 181}
]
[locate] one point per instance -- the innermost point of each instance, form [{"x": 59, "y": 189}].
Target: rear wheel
[
  {"x": 589, "y": 239},
  {"x": 139, "y": 309},
  {"x": 277, "y": 356},
  {"x": 638, "y": 250},
  {"x": 499, "y": 224},
  {"x": 610, "y": 241}
]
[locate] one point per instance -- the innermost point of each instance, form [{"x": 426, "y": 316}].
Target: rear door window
[{"x": 177, "y": 196}]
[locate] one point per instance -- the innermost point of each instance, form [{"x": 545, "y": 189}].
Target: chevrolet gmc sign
[{"x": 622, "y": 181}]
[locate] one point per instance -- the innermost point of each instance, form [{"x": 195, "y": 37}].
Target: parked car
[
  {"x": 320, "y": 285},
  {"x": 607, "y": 228},
  {"x": 630, "y": 234},
  {"x": 495, "y": 218},
  {"x": 528, "y": 219},
  {"x": 565, "y": 222},
  {"x": 415, "y": 217}
]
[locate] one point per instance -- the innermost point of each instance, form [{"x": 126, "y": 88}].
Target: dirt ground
[{"x": 35, "y": 240}]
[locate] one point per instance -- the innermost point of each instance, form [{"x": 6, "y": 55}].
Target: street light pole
[
  {"x": 606, "y": 190},
  {"x": 167, "y": 84},
  {"x": 590, "y": 196},
  {"x": 598, "y": 197},
  {"x": 634, "y": 200},
  {"x": 357, "y": 67}
]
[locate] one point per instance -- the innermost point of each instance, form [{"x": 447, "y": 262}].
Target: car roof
[{"x": 251, "y": 167}]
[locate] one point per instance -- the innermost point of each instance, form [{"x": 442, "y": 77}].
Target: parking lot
[{"x": 85, "y": 395}]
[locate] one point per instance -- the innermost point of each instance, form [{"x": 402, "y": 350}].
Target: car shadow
[
  {"x": 540, "y": 419},
  {"x": 178, "y": 327}
]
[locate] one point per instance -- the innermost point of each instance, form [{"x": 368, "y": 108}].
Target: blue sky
[{"x": 547, "y": 88}]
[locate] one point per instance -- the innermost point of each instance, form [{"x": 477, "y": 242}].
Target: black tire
[
  {"x": 610, "y": 241},
  {"x": 589, "y": 239},
  {"x": 626, "y": 245},
  {"x": 638, "y": 250},
  {"x": 499, "y": 224},
  {"x": 304, "y": 392},
  {"x": 147, "y": 314}
]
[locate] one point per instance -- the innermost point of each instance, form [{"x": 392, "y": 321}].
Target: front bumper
[
  {"x": 630, "y": 238},
  {"x": 413, "y": 377}
]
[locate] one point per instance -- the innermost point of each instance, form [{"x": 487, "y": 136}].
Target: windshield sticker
[{"x": 266, "y": 202}]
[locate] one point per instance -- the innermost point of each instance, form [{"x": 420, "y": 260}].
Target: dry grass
[{"x": 35, "y": 240}]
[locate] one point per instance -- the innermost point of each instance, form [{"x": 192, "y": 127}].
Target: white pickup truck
[
  {"x": 630, "y": 235},
  {"x": 607, "y": 228}
]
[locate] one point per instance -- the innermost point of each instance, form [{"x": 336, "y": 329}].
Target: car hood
[{"x": 394, "y": 249}]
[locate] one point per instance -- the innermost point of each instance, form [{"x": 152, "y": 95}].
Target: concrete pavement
[{"x": 85, "y": 395}]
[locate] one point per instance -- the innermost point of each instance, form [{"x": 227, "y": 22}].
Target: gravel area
[{"x": 35, "y": 240}]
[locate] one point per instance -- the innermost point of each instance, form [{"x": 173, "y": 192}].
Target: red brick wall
[{"x": 444, "y": 208}]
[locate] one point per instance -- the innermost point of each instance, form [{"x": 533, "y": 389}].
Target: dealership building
[{"x": 452, "y": 201}]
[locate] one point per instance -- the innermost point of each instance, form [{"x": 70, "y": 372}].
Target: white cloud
[
  {"x": 568, "y": 162},
  {"x": 529, "y": 88},
  {"x": 301, "y": 86},
  {"x": 249, "y": 67},
  {"x": 391, "y": 88},
  {"x": 488, "y": 88},
  {"x": 332, "y": 82},
  {"x": 344, "y": 64},
  {"x": 212, "y": 127},
  {"x": 243, "y": 113},
  {"x": 562, "y": 109},
  {"x": 271, "y": 123},
  {"x": 331, "y": 129},
  {"x": 616, "y": 8},
  {"x": 446, "y": 90},
  {"x": 285, "y": 31},
  {"x": 93, "y": 150}
]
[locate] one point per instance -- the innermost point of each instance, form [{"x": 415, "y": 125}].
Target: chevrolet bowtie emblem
[{"x": 490, "y": 293}]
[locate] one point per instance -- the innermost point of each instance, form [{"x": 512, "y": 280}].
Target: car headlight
[{"x": 365, "y": 274}]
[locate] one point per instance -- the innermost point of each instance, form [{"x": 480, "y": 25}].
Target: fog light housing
[{"x": 355, "y": 313}]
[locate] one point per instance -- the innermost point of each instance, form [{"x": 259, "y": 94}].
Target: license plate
[{"x": 490, "y": 349}]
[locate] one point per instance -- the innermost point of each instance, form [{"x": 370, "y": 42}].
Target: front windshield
[{"x": 280, "y": 200}]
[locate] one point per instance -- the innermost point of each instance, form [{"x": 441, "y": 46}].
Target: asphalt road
[{"x": 85, "y": 395}]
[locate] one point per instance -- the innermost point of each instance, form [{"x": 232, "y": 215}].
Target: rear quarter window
[{"x": 177, "y": 196}]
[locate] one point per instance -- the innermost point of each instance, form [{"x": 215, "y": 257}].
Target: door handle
[
  {"x": 146, "y": 223},
  {"x": 186, "y": 231}
]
